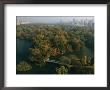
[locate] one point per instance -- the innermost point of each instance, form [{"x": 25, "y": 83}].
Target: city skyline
[{"x": 53, "y": 19}]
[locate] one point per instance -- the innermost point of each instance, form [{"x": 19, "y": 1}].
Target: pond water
[{"x": 22, "y": 47}]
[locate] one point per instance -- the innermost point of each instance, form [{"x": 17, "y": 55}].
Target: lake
[{"x": 22, "y": 47}]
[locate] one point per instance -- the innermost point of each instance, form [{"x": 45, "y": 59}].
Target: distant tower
[
  {"x": 60, "y": 21},
  {"x": 73, "y": 21},
  {"x": 18, "y": 22}
]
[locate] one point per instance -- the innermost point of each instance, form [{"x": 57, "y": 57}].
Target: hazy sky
[{"x": 49, "y": 19}]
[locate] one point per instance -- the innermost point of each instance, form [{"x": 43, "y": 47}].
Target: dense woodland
[{"x": 56, "y": 49}]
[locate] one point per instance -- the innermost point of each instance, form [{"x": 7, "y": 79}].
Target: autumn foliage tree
[{"x": 57, "y": 40}]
